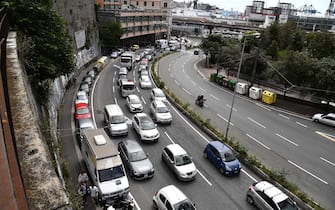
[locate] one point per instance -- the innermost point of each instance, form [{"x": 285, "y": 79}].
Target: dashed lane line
[
  {"x": 257, "y": 123},
  {"x": 263, "y": 145},
  {"x": 220, "y": 116},
  {"x": 286, "y": 139}
]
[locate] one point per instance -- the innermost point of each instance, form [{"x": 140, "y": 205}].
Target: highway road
[
  {"x": 283, "y": 141},
  {"x": 210, "y": 190}
]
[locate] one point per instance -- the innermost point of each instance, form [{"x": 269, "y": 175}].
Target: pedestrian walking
[
  {"x": 83, "y": 191},
  {"x": 82, "y": 178},
  {"x": 94, "y": 192}
]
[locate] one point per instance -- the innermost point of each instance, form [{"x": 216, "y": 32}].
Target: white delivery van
[
  {"x": 115, "y": 120},
  {"x": 104, "y": 165},
  {"x": 255, "y": 93},
  {"x": 241, "y": 88}
]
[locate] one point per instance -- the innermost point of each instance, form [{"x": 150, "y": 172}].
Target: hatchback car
[
  {"x": 179, "y": 162},
  {"x": 145, "y": 82},
  {"x": 122, "y": 78},
  {"x": 88, "y": 79},
  {"x": 158, "y": 94},
  {"x": 135, "y": 160},
  {"x": 144, "y": 73},
  {"x": 82, "y": 111},
  {"x": 145, "y": 127},
  {"x": 91, "y": 73},
  {"x": 222, "y": 157},
  {"x": 84, "y": 87},
  {"x": 81, "y": 98},
  {"x": 265, "y": 195},
  {"x": 134, "y": 103},
  {"x": 123, "y": 71},
  {"x": 328, "y": 119},
  {"x": 160, "y": 112},
  {"x": 172, "y": 198}
]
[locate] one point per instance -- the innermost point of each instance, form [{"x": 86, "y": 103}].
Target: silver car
[
  {"x": 158, "y": 94},
  {"x": 134, "y": 103},
  {"x": 135, "y": 160},
  {"x": 266, "y": 196},
  {"x": 328, "y": 119},
  {"x": 145, "y": 82},
  {"x": 160, "y": 113},
  {"x": 145, "y": 127},
  {"x": 179, "y": 162}
]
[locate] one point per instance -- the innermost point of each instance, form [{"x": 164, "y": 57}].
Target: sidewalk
[{"x": 290, "y": 102}]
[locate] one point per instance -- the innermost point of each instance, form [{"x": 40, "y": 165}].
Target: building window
[
  {"x": 153, "y": 3},
  {"x": 145, "y": 3},
  {"x": 165, "y": 4}
]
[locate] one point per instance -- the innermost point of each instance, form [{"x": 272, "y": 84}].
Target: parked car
[
  {"x": 114, "y": 54},
  {"x": 81, "y": 98},
  {"x": 145, "y": 81},
  {"x": 84, "y": 87},
  {"x": 222, "y": 157},
  {"x": 265, "y": 195},
  {"x": 88, "y": 79},
  {"x": 328, "y": 119},
  {"x": 145, "y": 127},
  {"x": 135, "y": 160},
  {"x": 91, "y": 73},
  {"x": 160, "y": 112},
  {"x": 158, "y": 94},
  {"x": 172, "y": 198},
  {"x": 134, "y": 103},
  {"x": 179, "y": 162},
  {"x": 82, "y": 111}
]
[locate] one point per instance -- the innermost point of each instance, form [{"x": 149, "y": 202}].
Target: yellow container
[{"x": 268, "y": 97}]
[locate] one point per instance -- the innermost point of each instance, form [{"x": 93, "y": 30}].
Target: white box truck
[
  {"x": 127, "y": 60},
  {"x": 104, "y": 165}
]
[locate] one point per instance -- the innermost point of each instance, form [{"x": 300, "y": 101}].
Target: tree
[
  {"x": 321, "y": 44},
  {"x": 110, "y": 35},
  {"x": 273, "y": 49}
]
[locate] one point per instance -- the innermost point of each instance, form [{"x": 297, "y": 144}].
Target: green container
[
  {"x": 232, "y": 84},
  {"x": 212, "y": 78},
  {"x": 219, "y": 79}
]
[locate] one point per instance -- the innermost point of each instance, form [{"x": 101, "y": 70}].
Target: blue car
[{"x": 222, "y": 157}]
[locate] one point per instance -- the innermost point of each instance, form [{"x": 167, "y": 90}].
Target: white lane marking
[
  {"x": 326, "y": 135},
  {"x": 263, "y": 107},
  {"x": 189, "y": 124},
  {"x": 286, "y": 139},
  {"x": 266, "y": 147},
  {"x": 304, "y": 170},
  {"x": 116, "y": 66},
  {"x": 229, "y": 106},
  {"x": 183, "y": 70},
  {"x": 113, "y": 79},
  {"x": 205, "y": 105},
  {"x": 193, "y": 82},
  {"x": 113, "y": 89},
  {"x": 175, "y": 81},
  {"x": 114, "y": 73},
  {"x": 171, "y": 75},
  {"x": 169, "y": 70},
  {"x": 283, "y": 116},
  {"x": 188, "y": 77},
  {"x": 138, "y": 90},
  {"x": 143, "y": 100},
  {"x": 202, "y": 89},
  {"x": 134, "y": 79},
  {"x": 115, "y": 100},
  {"x": 257, "y": 123},
  {"x": 224, "y": 119},
  {"x": 188, "y": 92},
  {"x": 169, "y": 137},
  {"x": 208, "y": 182},
  {"x": 324, "y": 159},
  {"x": 303, "y": 125},
  {"x": 169, "y": 65},
  {"x": 136, "y": 204},
  {"x": 213, "y": 96},
  {"x": 251, "y": 177},
  {"x": 134, "y": 73}
]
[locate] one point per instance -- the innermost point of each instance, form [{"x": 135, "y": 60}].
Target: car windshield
[
  {"x": 137, "y": 156},
  {"x": 159, "y": 94},
  {"x": 183, "y": 160},
  {"x": 287, "y": 204},
  {"x": 162, "y": 109},
  {"x": 81, "y": 97},
  {"x": 128, "y": 87},
  {"x": 147, "y": 124},
  {"x": 228, "y": 156},
  {"x": 110, "y": 173},
  {"x": 84, "y": 86},
  {"x": 144, "y": 72},
  {"x": 135, "y": 101},
  {"x": 118, "y": 119},
  {"x": 145, "y": 79},
  {"x": 184, "y": 205},
  {"x": 83, "y": 111}
]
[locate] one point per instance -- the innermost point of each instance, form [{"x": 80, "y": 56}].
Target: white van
[
  {"x": 115, "y": 120},
  {"x": 127, "y": 88}
]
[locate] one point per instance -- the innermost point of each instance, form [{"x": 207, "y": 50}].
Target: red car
[{"x": 82, "y": 111}]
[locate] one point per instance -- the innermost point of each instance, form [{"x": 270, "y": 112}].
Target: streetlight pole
[{"x": 234, "y": 94}]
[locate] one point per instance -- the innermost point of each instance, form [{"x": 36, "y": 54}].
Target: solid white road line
[
  {"x": 295, "y": 144},
  {"x": 143, "y": 100},
  {"x": 113, "y": 89},
  {"x": 188, "y": 92},
  {"x": 175, "y": 81},
  {"x": 251, "y": 177},
  {"x": 303, "y": 125},
  {"x": 304, "y": 170},
  {"x": 257, "y": 104},
  {"x": 208, "y": 182},
  {"x": 136, "y": 204},
  {"x": 202, "y": 89},
  {"x": 115, "y": 100},
  {"x": 169, "y": 137},
  {"x": 257, "y": 123},
  {"x": 283, "y": 116},
  {"x": 324, "y": 159},
  {"x": 224, "y": 119},
  {"x": 266, "y": 147},
  {"x": 213, "y": 96},
  {"x": 229, "y": 106}
]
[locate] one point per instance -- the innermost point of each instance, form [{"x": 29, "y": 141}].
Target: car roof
[
  {"x": 176, "y": 149},
  {"x": 173, "y": 194},
  {"x": 81, "y": 93},
  {"x": 132, "y": 146},
  {"x": 271, "y": 191},
  {"x": 133, "y": 96},
  {"x": 142, "y": 114},
  {"x": 221, "y": 147},
  {"x": 85, "y": 122},
  {"x": 81, "y": 105},
  {"x": 159, "y": 103},
  {"x": 331, "y": 115},
  {"x": 156, "y": 90}
]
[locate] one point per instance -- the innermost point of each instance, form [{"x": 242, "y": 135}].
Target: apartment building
[{"x": 143, "y": 21}]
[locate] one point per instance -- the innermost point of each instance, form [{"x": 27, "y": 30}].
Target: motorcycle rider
[{"x": 200, "y": 100}]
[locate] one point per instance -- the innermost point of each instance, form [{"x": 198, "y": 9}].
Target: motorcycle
[
  {"x": 121, "y": 204},
  {"x": 200, "y": 101}
]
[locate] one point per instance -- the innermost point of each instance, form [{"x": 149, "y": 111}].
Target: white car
[
  {"x": 160, "y": 112},
  {"x": 81, "y": 97},
  {"x": 145, "y": 82},
  {"x": 114, "y": 54},
  {"x": 149, "y": 57},
  {"x": 158, "y": 95},
  {"x": 172, "y": 198},
  {"x": 134, "y": 103},
  {"x": 179, "y": 162},
  {"x": 145, "y": 127},
  {"x": 142, "y": 68},
  {"x": 328, "y": 119},
  {"x": 123, "y": 70}
]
